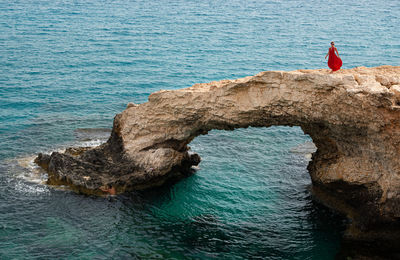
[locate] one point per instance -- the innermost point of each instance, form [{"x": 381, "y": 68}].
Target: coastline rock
[{"x": 352, "y": 116}]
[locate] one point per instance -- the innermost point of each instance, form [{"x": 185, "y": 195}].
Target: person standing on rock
[{"x": 334, "y": 61}]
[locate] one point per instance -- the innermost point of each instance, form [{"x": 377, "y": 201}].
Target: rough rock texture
[{"x": 353, "y": 117}]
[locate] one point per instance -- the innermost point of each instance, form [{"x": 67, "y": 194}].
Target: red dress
[{"x": 334, "y": 62}]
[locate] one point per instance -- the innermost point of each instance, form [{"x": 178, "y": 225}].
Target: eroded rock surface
[{"x": 353, "y": 117}]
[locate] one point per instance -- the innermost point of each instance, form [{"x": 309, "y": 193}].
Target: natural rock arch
[{"x": 352, "y": 116}]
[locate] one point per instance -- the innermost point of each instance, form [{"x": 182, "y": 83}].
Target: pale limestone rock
[
  {"x": 352, "y": 116},
  {"x": 395, "y": 89},
  {"x": 131, "y": 104}
]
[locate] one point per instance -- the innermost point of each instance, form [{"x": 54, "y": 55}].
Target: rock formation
[{"x": 352, "y": 116}]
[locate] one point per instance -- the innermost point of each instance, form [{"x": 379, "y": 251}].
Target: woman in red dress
[{"x": 334, "y": 61}]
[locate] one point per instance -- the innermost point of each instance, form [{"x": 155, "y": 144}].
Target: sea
[{"x": 67, "y": 67}]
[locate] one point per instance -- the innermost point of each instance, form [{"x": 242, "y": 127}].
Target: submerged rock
[{"x": 353, "y": 117}]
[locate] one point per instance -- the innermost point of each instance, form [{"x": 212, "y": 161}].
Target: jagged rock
[
  {"x": 43, "y": 161},
  {"x": 352, "y": 116},
  {"x": 395, "y": 89},
  {"x": 131, "y": 104},
  {"x": 75, "y": 151}
]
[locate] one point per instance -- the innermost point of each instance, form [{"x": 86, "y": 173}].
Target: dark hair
[{"x": 333, "y": 42}]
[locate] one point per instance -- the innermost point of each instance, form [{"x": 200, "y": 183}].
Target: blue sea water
[{"x": 68, "y": 66}]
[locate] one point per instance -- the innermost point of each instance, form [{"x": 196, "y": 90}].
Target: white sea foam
[
  {"x": 26, "y": 169},
  {"x": 32, "y": 189},
  {"x": 91, "y": 143},
  {"x": 29, "y": 171}
]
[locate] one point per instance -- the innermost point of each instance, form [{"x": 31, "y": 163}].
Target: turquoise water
[{"x": 67, "y": 67}]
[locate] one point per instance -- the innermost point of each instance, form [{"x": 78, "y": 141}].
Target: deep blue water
[{"x": 67, "y": 67}]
